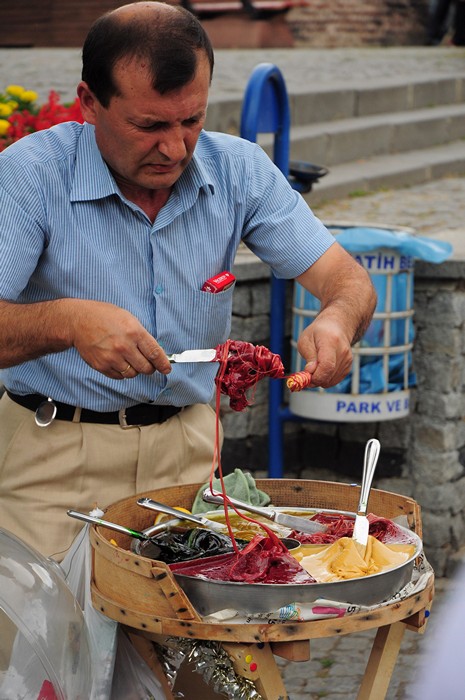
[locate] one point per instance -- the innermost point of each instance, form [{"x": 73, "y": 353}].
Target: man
[{"x": 109, "y": 230}]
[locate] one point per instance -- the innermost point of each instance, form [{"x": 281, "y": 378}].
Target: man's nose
[{"x": 172, "y": 145}]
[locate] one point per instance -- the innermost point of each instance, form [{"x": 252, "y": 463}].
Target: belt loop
[{"x": 77, "y": 415}]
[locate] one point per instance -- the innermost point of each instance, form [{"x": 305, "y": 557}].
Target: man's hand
[
  {"x": 110, "y": 339},
  {"x": 327, "y": 351},
  {"x": 348, "y": 300}
]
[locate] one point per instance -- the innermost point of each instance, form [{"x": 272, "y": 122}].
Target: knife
[
  {"x": 291, "y": 521},
  {"x": 361, "y": 525},
  {"x": 194, "y": 356}
]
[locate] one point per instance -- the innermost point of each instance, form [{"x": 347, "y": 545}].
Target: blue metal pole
[{"x": 266, "y": 110}]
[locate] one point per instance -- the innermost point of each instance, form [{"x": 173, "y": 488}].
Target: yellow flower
[
  {"x": 29, "y": 96},
  {"x": 4, "y": 126},
  {"x": 5, "y": 110},
  {"x": 12, "y": 104},
  {"x": 15, "y": 91}
]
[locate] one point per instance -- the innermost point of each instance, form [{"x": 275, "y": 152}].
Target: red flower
[{"x": 52, "y": 112}]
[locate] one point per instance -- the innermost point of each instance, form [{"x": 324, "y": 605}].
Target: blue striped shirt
[{"x": 67, "y": 231}]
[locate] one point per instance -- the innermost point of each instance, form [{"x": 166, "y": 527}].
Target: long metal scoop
[
  {"x": 361, "y": 525},
  {"x": 197, "y": 519},
  {"x": 291, "y": 521},
  {"x": 111, "y": 526}
]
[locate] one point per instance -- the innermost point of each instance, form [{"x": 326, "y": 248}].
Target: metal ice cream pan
[{"x": 209, "y": 596}]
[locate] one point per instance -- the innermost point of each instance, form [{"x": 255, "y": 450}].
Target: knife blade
[
  {"x": 207, "y": 355},
  {"x": 291, "y": 521}
]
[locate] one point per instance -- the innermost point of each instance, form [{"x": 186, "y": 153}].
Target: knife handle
[{"x": 372, "y": 451}]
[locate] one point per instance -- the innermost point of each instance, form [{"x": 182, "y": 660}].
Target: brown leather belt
[{"x": 141, "y": 414}]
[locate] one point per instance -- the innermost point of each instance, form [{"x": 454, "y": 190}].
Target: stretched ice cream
[{"x": 342, "y": 560}]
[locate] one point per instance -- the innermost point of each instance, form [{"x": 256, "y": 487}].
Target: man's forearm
[
  {"x": 28, "y": 331},
  {"x": 344, "y": 289},
  {"x": 354, "y": 310}
]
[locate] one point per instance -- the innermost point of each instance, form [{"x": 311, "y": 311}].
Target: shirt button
[{"x": 158, "y": 289}]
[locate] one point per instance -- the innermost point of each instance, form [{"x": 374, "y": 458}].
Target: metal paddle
[
  {"x": 112, "y": 526},
  {"x": 361, "y": 525},
  {"x": 180, "y": 514}
]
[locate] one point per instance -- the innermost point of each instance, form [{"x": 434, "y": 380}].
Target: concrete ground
[{"x": 43, "y": 69}]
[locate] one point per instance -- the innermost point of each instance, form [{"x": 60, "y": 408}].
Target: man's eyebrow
[{"x": 157, "y": 120}]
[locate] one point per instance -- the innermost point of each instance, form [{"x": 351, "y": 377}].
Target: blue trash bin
[{"x": 378, "y": 386}]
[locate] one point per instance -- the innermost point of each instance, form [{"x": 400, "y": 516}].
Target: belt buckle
[{"x": 123, "y": 422}]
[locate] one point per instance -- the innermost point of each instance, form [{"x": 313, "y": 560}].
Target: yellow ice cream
[{"x": 342, "y": 560}]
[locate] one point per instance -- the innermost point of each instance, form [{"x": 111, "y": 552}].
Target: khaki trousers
[{"x": 46, "y": 471}]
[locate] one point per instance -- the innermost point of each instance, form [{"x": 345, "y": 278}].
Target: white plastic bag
[
  {"x": 119, "y": 672},
  {"x": 132, "y": 678},
  {"x": 102, "y": 630}
]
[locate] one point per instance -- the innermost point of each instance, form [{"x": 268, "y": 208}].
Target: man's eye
[{"x": 149, "y": 127}]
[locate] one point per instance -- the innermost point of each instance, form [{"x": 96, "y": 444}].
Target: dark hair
[{"x": 170, "y": 44}]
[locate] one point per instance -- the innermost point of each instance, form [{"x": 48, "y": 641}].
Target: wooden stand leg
[
  {"x": 256, "y": 661},
  {"x": 292, "y": 651},
  {"x": 381, "y": 663}
]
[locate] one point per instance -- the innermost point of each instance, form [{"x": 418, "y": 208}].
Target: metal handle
[
  {"x": 210, "y": 498},
  {"x": 105, "y": 523},
  {"x": 180, "y": 514},
  {"x": 372, "y": 450},
  {"x": 162, "y": 508}
]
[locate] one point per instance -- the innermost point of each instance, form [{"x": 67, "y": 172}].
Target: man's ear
[{"x": 87, "y": 102}]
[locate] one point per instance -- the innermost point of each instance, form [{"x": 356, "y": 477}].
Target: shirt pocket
[{"x": 200, "y": 320}]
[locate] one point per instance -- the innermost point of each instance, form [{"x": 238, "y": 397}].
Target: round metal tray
[{"x": 209, "y": 596}]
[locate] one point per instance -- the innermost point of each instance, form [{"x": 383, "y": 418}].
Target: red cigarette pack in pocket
[{"x": 219, "y": 283}]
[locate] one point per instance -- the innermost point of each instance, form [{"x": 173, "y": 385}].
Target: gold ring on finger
[{"x": 126, "y": 370}]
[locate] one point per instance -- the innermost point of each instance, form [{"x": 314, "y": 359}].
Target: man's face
[{"x": 148, "y": 139}]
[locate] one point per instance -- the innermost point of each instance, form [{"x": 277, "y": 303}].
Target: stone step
[
  {"x": 343, "y": 101},
  {"x": 379, "y": 133},
  {"x": 348, "y": 140},
  {"x": 389, "y": 172},
  {"x": 313, "y": 105}
]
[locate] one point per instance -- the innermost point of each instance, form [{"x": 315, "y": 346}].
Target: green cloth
[{"x": 238, "y": 484}]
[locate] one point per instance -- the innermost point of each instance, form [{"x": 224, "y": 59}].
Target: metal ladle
[{"x": 113, "y": 526}]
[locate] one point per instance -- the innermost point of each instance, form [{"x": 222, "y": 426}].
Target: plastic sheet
[
  {"x": 118, "y": 671},
  {"x": 48, "y": 648},
  {"x": 102, "y": 631},
  {"x": 362, "y": 239}
]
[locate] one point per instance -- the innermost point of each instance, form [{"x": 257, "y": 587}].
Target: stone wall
[
  {"x": 315, "y": 23},
  {"x": 422, "y": 456},
  {"x": 359, "y": 23}
]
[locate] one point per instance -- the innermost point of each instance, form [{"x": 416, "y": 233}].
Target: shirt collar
[
  {"x": 198, "y": 175},
  {"x": 92, "y": 178}
]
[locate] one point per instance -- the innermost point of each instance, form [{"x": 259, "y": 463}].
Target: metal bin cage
[{"x": 378, "y": 386}]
